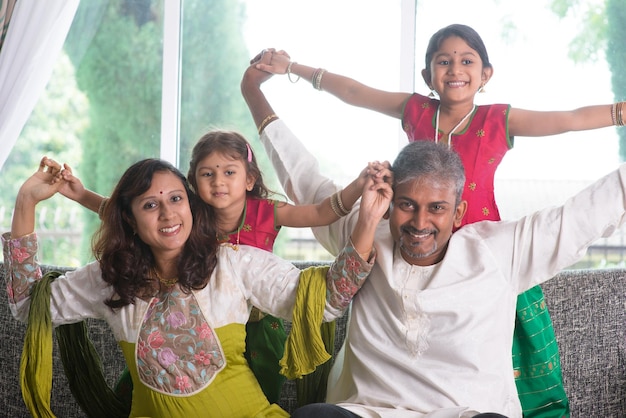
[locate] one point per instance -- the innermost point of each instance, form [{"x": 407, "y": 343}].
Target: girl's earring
[
  {"x": 482, "y": 88},
  {"x": 432, "y": 92}
]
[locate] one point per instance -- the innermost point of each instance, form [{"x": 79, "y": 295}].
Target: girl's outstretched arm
[
  {"x": 335, "y": 206},
  {"x": 542, "y": 123},
  {"x": 74, "y": 189},
  {"x": 344, "y": 88}
]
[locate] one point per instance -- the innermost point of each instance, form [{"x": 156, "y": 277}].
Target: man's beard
[{"x": 409, "y": 250}]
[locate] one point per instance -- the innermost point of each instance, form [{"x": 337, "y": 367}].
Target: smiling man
[
  {"x": 427, "y": 203},
  {"x": 431, "y": 331}
]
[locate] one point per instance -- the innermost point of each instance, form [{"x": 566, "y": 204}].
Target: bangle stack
[
  {"x": 316, "y": 80},
  {"x": 617, "y": 116},
  {"x": 289, "y": 72},
  {"x": 266, "y": 122},
  {"x": 337, "y": 205}
]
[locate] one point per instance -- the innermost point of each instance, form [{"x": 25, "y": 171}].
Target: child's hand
[
  {"x": 380, "y": 172},
  {"x": 72, "y": 187},
  {"x": 272, "y": 61}
]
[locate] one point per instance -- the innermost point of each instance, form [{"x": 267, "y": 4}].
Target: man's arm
[{"x": 297, "y": 169}]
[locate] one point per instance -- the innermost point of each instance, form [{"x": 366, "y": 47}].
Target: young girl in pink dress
[{"x": 456, "y": 68}]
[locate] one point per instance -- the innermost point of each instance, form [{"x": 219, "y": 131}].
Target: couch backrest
[{"x": 588, "y": 309}]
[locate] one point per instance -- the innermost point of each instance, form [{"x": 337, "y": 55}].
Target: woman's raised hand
[
  {"x": 40, "y": 186},
  {"x": 44, "y": 183}
]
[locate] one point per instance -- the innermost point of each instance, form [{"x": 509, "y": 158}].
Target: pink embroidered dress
[
  {"x": 185, "y": 351},
  {"x": 482, "y": 146},
  {"x": 258, "y": 228}
]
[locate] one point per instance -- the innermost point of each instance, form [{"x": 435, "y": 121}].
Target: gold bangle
[
  {"x": 619, "y": 114},
  {"x": 369, "y": 254},
  {"x": 340, "y": 203},
  {"x": 614, "y": 114},
  {"x": 266, "y": 122},
  {"x": 334, "y": 206},
  {"x": 289, "y": 72},
  {"x": 337, "y": 206},
  {"x": 316, "y": 80}
]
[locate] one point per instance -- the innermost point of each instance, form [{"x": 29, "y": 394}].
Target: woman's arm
[
  {"x": 40, "y": 186},
  {"x": 350, "y": 270},
  {"x": 344, "y": 88},
  {"x": 20, "y": 245}
]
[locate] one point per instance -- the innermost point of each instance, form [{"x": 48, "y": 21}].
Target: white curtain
[{"x": 33, "y": 41}]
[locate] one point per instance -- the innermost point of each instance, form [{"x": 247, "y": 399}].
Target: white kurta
[
  {"x": 436, "y": 341},
  {"x": 242, "y": 279}
]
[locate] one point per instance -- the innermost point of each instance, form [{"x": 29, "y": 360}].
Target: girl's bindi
[{"x": 161, "y": 192}]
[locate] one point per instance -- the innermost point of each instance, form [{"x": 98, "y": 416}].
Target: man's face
[{"x": 422, "y": 217}]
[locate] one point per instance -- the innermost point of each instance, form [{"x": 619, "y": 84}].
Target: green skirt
[
  {"x": 265, "y": 346},
  {"x": 536, "y": 363}
]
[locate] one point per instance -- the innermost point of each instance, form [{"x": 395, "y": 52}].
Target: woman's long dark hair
[{"x": 126, "y": 261}]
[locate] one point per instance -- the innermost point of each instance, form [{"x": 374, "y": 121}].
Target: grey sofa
[{"x": 588, "y": 309}]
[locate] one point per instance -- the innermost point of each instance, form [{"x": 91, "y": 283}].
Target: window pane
[
  {"x": 352, "y": 37},
  {"x": 100, "y": 113}
]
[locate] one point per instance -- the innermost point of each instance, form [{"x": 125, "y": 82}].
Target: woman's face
[{"x": 162, "y": 215}]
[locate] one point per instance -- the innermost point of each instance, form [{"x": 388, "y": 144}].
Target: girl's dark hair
[
  {"x": 464, "y": 32},
  {"x": 126, "y": 261},
  {"x": 235, "y": 146}
]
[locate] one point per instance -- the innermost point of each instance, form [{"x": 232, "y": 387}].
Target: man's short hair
[{"x": 429, "y": 159}]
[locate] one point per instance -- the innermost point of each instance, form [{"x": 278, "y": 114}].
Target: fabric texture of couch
[{"x": 588, "y": 309}]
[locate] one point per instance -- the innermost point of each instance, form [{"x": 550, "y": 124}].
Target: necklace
[
  {"x": 166, "y": 282},
  {"x": 453, "y": 129},
  {"x": 223, "y": 239}
]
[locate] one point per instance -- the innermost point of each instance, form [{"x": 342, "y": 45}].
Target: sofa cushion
[{"x": 588, "y": 310}]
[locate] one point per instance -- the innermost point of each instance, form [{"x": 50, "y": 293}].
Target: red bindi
[{"x": 161, "y": 192}]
